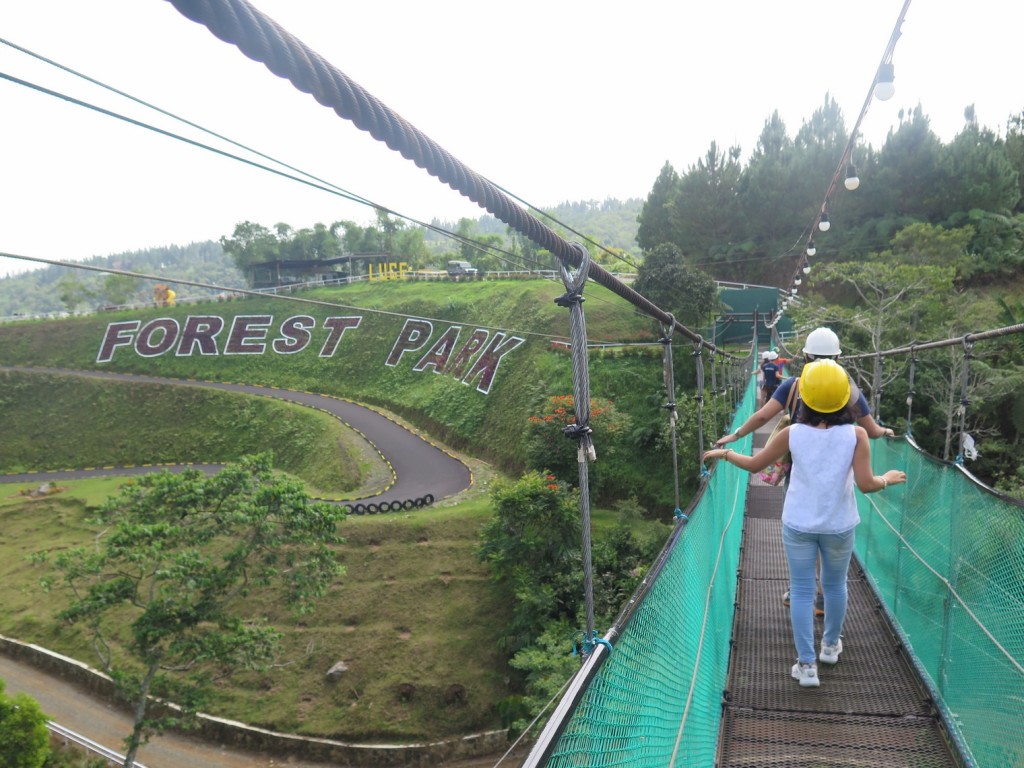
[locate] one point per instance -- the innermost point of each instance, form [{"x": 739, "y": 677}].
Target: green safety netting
[
  {"x": 656, "y": 700},
  {"x": 946, "y": 558}
]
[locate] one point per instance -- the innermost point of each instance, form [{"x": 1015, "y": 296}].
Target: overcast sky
[{"x": 554, "y": 101}]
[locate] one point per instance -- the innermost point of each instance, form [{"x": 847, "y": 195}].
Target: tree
[
  {"x": 532, "y": 543},
  {"x": 73, "y": 292},
  {"x": 705, "y": 211},
  {"x": 978, "y": 172},
  {"x": 162, "y": 591},
  {"x": 656, "y": 216},
  {"x": 892, "y": 303},
  {"x": 1015, "y": 153},
  {"x": 313, "y": 244},
  {"x": 479, "y": 249},
  {"x": 250, "y": 244},
  {"x": 689, "y": 294},
  {"x": 910, "y": 180},
  {"x": 118, "y": 289},
  {"x": 766, "y": 186},
  {"x": 24, "y": 737}
]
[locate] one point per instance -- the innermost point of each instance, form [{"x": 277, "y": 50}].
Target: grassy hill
[
  {"x": 415, "y": 606},
  {"x": 368, "y": 365}
]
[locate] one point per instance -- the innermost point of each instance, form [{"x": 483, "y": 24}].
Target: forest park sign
[{"x": 470, "y": 356}]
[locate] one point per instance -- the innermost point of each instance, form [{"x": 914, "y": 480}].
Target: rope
[
  {"x": 581, "y": 431},
  {"x": 263, "y": 40}
]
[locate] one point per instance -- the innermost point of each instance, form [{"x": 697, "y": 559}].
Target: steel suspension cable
[
  {"x": 263, "y": 40},
  {"x": 668, "y": 367},
  {"x": 581, "y": 431}
]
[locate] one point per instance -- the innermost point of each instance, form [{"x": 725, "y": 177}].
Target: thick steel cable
[
  {"x": 581, "y": 431},
  {"x": 910, "y": 390},
  {"x": 1006, "y": 330},
  {"x": 668, "y": 367},
  {"x": 714, "y": 397},
  {"x": 697, "y": 353},
  {"x": 965, "y": 373},
  {"x": 263, "y": 40}
]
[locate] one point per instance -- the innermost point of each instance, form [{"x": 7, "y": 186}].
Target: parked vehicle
[{"x": 457, "y": 269}]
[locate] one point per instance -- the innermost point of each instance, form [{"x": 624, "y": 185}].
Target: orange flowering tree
[{"x": 549, "y": 448}]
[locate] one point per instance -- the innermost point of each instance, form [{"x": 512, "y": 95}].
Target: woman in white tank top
[{"x": 819, "y": 516}]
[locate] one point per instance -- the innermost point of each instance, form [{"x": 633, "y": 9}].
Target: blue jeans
[{"x": 802, "y": 550}]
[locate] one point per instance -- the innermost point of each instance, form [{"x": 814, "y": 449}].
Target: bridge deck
[{"x": 870, "y": 710}]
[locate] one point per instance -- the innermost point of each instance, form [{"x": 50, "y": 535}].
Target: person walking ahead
[{"x": 819, "y": 515}]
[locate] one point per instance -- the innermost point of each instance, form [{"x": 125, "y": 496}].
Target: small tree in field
[
  {"x": 161, "y": 590},
  {"x": 24, "y": 737}
]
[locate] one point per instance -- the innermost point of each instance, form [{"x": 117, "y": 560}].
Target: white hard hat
[
  {"x": 822, "y": 342},
  {"x": 766, "y": 355},
  {"x": 773, "y": 355}
]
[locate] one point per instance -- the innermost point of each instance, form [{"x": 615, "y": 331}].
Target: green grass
[
  {"x": 69, "y": 422},
  {"x": 414, "y": 607},
  {"x": 488, "y": 426}
]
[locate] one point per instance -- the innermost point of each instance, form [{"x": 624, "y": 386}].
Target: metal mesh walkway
[{"x": 870, "y": 710}]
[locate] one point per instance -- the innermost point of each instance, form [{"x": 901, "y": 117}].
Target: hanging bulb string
[{"x": 844, "y": 160}]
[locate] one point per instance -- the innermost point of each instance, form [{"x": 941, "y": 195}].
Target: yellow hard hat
[{"x": 824, "y": 386}]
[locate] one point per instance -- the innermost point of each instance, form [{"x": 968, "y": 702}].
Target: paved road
[
  {"x": 100, "y": 722},
  {"x": 420, "y": 469}
]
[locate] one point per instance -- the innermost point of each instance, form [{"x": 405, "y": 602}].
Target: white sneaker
[
  {"x": 830, "y": 653},
  {"x": 807, "y": 674}
]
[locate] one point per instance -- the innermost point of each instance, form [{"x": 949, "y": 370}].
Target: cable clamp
[
  {"x": 588, "y": 644},
  {"x": 570, "y": 298},
  {"x": 576, "y": 431}
]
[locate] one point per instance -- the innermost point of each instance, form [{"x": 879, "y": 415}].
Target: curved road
[{"x": 420, "y": 468}]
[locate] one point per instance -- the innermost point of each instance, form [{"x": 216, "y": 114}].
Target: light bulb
[
  {"x": 852, "y": 180},
  {"x": 794, "y": 291},
  {"x": 811, "y": 250},
  {"x": 807, "y": 269},
  {"x": 824, "y": 223},
  {"x": 884, "y": 89},
  {"x": 797, "y": 281}
]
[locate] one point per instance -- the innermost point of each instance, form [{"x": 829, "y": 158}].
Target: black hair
[{"x": 845, "y": 415}]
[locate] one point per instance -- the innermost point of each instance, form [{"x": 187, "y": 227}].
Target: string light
[
  {"x": 884, "y": 89},
  {"x": 852, "y": 180}
]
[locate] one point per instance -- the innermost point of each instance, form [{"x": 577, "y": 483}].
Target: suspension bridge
[{"x": 694, "y": 670}]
